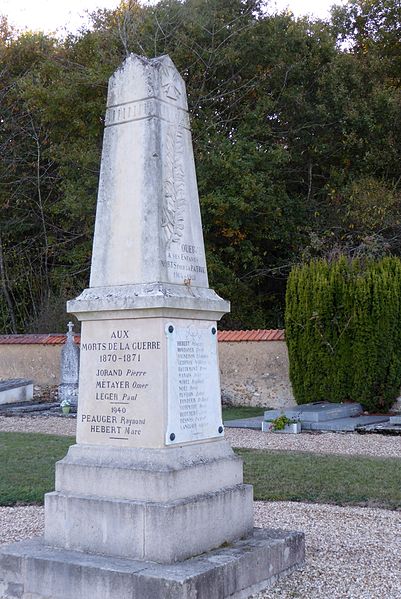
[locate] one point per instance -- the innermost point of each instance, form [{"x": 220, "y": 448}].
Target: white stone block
[
  {"x": 156, "y": 531},
  {"x": 148, "y": 474},
  {"x": 15, "y": 391},
  {"x": 138, "y": 388}
]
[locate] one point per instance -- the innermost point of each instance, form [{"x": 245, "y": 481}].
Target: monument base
[
  {"x": 162, "y": 505},
  {"x": 32, "y": 570}
]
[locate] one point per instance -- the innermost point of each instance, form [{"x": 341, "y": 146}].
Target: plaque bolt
[
  {"x": 214, "y": 331},
  {"x": 220, "y": 429},
  {"x": 171, "y": 328},
  {"x": 172, "y": 436}
]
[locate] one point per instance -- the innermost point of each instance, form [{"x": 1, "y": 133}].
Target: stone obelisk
[{"x": 151, "y": 483}]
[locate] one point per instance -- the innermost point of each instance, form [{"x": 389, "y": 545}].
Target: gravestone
[
  {"x": 15, "y": 391},
  {"x": 68, "y": 388},
  {"x": 150, "y": 502},
  {"x": 317, "y": 412}
]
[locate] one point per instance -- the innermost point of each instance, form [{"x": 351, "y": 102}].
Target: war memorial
[{"x": 150, "y": 502}]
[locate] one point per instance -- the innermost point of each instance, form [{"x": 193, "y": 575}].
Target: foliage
[
  {"x": 295, "y": 139},
  {"x": 279, "y": 423},
  {"x": 343, "y": 331},
  {"x": 372, "y": 26}
]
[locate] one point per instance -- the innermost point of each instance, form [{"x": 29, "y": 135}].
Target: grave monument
[
  {"x": 150, "y": 502},
  {"x": 69, "y": 366}
]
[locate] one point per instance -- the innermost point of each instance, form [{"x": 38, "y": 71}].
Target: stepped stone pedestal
[{"x": 150, "y": 503}]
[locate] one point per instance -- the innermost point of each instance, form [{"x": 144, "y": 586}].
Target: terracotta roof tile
[
  {"x": 253, "y": 335},
  {"x": 35, "y": 339},
  {"x": 228, "y": 336},
  {"x": 257, "y": 335}
]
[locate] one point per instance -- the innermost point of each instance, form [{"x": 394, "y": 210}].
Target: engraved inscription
[
  {"x": 171, "y": 84},
  {"x": 119, "y": 386},
  {"x": 183, "y": 260},
  {"x": 193, "y": 383}
]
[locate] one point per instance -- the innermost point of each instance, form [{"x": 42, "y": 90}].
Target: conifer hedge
[{"x": 343, "y": 331}]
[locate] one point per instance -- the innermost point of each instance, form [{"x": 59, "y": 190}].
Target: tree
[
  {"x": 295, "y": 142},
  {"x": 343, "y": 331},
  {"x": 27, "y": 182},
  {"x": 372, "y": 26}
]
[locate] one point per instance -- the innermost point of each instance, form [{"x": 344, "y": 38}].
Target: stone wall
[
  {"x": 41, "y": 363},
  {"x": 253, "y": 373}
]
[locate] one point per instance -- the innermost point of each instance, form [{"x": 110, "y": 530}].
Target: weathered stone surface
[
  {"x": 314, "y": 417},
  {"x": 155, "y": 531},
  {"x": 255, "y": 373},
  {"x": 317, "y": 412},
  {"x": 148, "y": 300},
  {"x": 15, "y": 409},
  {"x": 380, "y": 428},
  {"x": 234, "y": 572},
  {"x": 148, "y": 225},
  {"x": 148, "y": 474},
  {"x": 69, "y": 368},
  {"x": 343, "y": 424},
  {"x": 254, "y": 423}
]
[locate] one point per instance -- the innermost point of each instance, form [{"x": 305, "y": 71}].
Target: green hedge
[{"x": 343, "y": 331}]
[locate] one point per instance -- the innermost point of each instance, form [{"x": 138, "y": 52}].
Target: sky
[{"x": 59, "y": 15}]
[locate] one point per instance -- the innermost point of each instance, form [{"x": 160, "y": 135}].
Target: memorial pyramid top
[{"x": 148, "y": 224}]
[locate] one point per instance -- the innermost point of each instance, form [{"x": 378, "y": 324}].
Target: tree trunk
[{"x": 3, "y": 283}]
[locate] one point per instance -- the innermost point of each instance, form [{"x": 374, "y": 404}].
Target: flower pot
[
  {"x": 294, "y": 427},
  {"x": 66, "y": 409}
]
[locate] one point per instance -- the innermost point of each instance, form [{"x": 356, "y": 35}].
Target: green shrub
[{"x": 343, "y": 331}]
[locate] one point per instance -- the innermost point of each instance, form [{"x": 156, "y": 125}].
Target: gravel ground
[
  {"x": 352, "y": 552},
  {"x": 51, "y": 425},
  {"x": 383, "y": 446},
  {"x": 17, "y": 523}
]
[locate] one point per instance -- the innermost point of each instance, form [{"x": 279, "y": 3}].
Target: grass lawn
[
  {"x": 242, "y": 412},
  {"x": 27, "y": 465},
  {"x": 341, "y": 480},
  {"x": 27, "y": 473}
]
